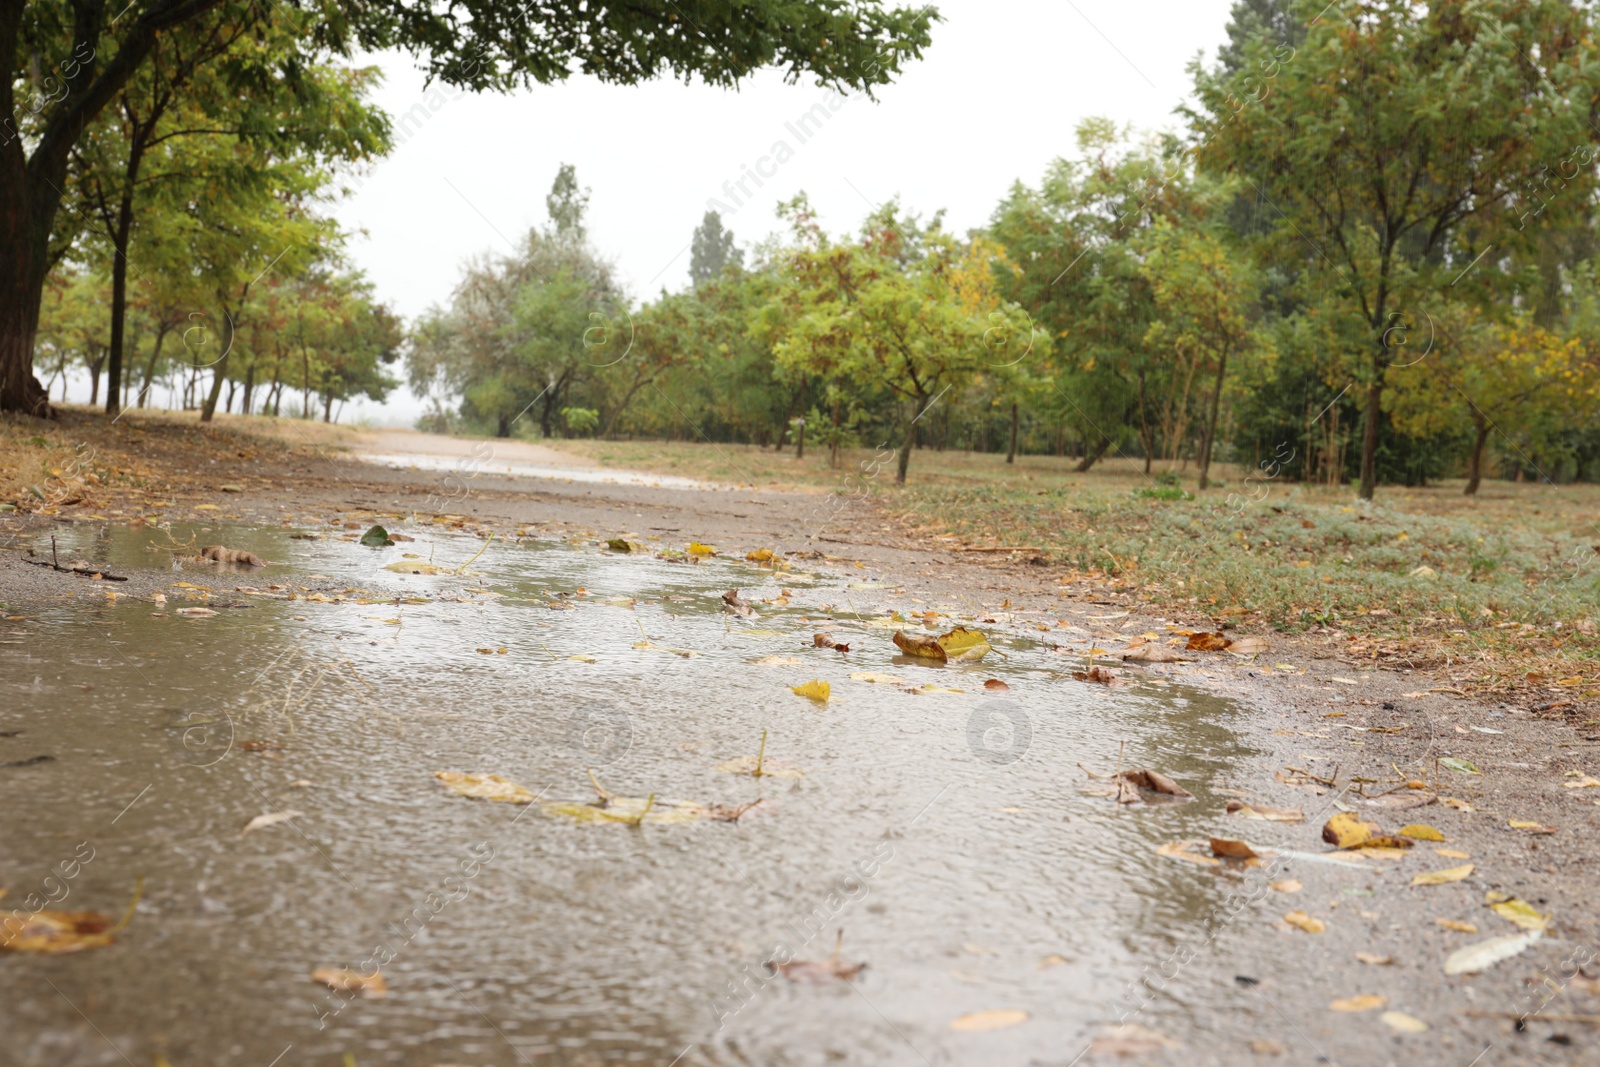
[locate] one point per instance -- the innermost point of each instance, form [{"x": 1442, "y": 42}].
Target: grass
[{"x": 1511, "y": 576}]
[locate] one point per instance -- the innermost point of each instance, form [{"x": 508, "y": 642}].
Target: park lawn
[{"x": 1510, "y": 577}]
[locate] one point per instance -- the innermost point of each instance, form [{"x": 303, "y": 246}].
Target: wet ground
[{"x": 944, "y": 832}]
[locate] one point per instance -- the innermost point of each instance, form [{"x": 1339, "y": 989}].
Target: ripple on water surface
[{"x": 944, "y": 832}]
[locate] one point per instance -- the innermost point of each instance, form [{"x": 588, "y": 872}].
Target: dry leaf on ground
[
  {"x": 1131, "y": 1039},
  {"x": 1305, "y": 922},
  {"x": 1486, "y": 954},
  {"x": 1152, "y": 653},
  {"x": 1286, "y": 885},
  {"x": 1204, "y": 642},
  {"x": 1421, "y": 832},
  {"x": 1374, "y": 959},
  {"x": 1516, "y": 910},
  {"x": 1261, "y": 811},
  {"x": 1360, "y": 1002},
  {"x": 1449, "y": 874},
  {"x": 1348, "y": 830},
  {"x": 1456, "y": 925},
  {"x": 975, "y": 1022},
  {"x": 1528, "y": 826},
  {"x": 1400, "y": 1022}
]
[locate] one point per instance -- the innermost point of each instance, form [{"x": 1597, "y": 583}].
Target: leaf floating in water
[
  {"x": 219, "y": 554},
  {"x": 653, "y": 647},
  {"x": 1130, "y": 787},
  {"x": 769, "y": 769},
  {"x": 819, "y": 972},
  {"x": 873, "y": 676},
  {"x": 780, "y": 661},
  {"x": 1449, "y": 874},
  {"x": 977, "y": 1022},
  {"x": 701, "y": 551},
  {"x": 617, "y": 544},
  {"x": 1486, "y": 954},
  {"x": 1227, "y": 848},
  {"x": 196, "y": 613},
  {"x": 271, "y": 818},
  {"x": 1098, "y": 675},
  {"x": 733, "y": 605},
  {"x": 960, "y": 645},
  {"x": 1188, "y": 852},
  {"x": 377, "y": 537},
  {"x": 415, "y": 566},
  {"x": 826, "y": 641},
  {"x": 815, "y": 689},
  {"x": 53, "y": 933},
  {"x": 995, "y": 685},
  {"x": 347, "y": 981},
  {"x": 760, "y": 555},
  {"x": 485, "y": 787}
]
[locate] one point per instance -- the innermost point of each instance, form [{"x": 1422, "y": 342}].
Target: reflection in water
[{"x": 944, "y": 832}]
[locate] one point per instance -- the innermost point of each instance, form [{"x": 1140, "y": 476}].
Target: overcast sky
[{"x": 995, "y": 98}]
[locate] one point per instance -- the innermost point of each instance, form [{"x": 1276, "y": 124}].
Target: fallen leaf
[
  {"x": 1400, "y": 1022},
  {"x": 269, "y": 819},
  {"x": 1305, "y": 922},
  {"x": 485, "y": 787},
  {"x": 1231, "y": 849},
  {"x": 1348, "y": 830},
  {"x": 1130, "y": 787},
  {"x": 1261, "y": 811},
  {"x": 813, "y": 690},
  {"x": 1205, "y": 642},
  {"x": 53, "y": 933},
  {"x": 1459, "y": 805},
  {"x": 1249, "y": 646},
  {"x": 1286, "y": 885},
  {"x": 779, "y": 661},
  {"x": 732, "y": 604},
  {"x": 962, "y": 645},
  {"x": 1421, "y": 832},
  {"x": 219, "y": 554},
  {"x": 826, "y": 641},
  {"x": 1374, "y": 959},
  {"x": 196, "y": 613},
  {"x": 1098, "y": 675},
  {"x": 1449, "y": 874},
  {"x": 583, "y": 657},
  {"x": 1485, "y": 954},
  {"x": 1361, "y": 1002},
  {"x": 1459, "y": 765},
  {"x": 697, "y": 549},
  {"x": 1520, "y": 912},
  {"x": 760, "y": 555},
  {"x": 1266, "y": 1046},
  {"x": 1188, "y": 852},
  {"x": 975, "y": 1022},
  {"x": 995, "y": 684},
  {"x": 372, "y": 984},
  {"x": 819, "y": 972},
  {"x": 1153, "y": 653},
  {"x": 1528, "y": 826},
  {"x": 1131, "y": 1039},
  {"x": 415, "y": 566},
  {"x": 1456, "y": 925},
  {"x": 1452, "y": 854},
  {"x": 873, "y": 676},
  {"x": 377, "y": 537}
]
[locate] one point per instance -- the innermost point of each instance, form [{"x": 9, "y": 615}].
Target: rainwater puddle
[
  {"x": 473, "y": 466},
  {"x": 944, "y": 832}
]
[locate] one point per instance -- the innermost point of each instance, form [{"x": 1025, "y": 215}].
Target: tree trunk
[
  {"x": 227, "y": 405},
  {"x": 327, "y": 407},
  {"x": 24, "y": 262},
  {"x": 94, "y": 366},
  {"x": 219, "y": 373},
  {"x": 1011, "y": 456},
  {"x": 1369, "y": 435},
  {"x": 611, "y": 423},
  {"x": 150, "y": 368},
  {"x": 503, "y": 426},
  {"x": 800, "y": 434},
  {"x": 119, "y": 279},
  {"x": 1091, "y": 456},
  {"x": 1475, "y": 461},
  {"x": 249, "y": 386},
  {"x": 909, "y": 443},
  {"x": 1210, "y": 437}
]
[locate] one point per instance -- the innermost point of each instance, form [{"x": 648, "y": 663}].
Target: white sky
[{"x": 995, "y": 98}]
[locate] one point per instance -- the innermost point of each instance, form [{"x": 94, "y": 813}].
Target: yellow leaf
[
  {"x": 485, "y": 787},
  {"x": 1305, "y": 922},
  {"x": 697, "y": 549},
  {"x": 1188, "y": 852},
  {"x": 963, "y": 645},
  {"x": 1520, "y": 912},
  {"x": 1530, "y": 826},
  {"x": 974, "y": 1022},
  {"x": 1586, "y": 782},
  {"x": 1403, "y": 1023},
  {"x": 347, "y": 981},
  {"x": 1421, "y": 832},
  {"x": 873, "y": 676},
  {"x": 1363, "y": 1002},
  {"x": 1287, "y": 885},
  {"x": 1348, "y": 830},
  {"x": 1449, "y": 874},
  {"x": 1456, "y": 925},
  {"x": 813, "y": 690},
  {"x": 760, "y": 555},
  {"x": 1452, "y": 854}
]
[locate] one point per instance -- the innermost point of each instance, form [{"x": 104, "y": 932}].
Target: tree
[
  {"x": 1401, "y": 146},
  {"x": 712, "y": 250},
  {"x": 70, "y": 61}
]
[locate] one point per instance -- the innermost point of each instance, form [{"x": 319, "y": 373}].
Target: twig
[
  {"x": 1524, "y": 1016},
  {"x": 761, "y": 755}
]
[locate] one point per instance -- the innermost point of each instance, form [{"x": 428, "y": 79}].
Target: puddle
[
  {"x": 944, "y": 832},
  {"x": 410, "y": 461}
]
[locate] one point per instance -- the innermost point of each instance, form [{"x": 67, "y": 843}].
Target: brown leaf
[
  {"x": 219, "y": 554},
  {"x": 1133, "y": 787},
  {"x": 732, "y": 604},
  {"x": 819, "y": 972},
  {"x": 825, "y": 640},
  {"x": 1188, "y": 852},
  {"x": 1305, "y": 922},
  {"x": 995, "y": 684},
  {"x": 920, "y": 646},
  {"x": 54, "y": 932},
  {"x": 1204, "y": 642},
  {"x": 1228, "y": 848},
  {"x": 1362, "y": 1002},
  {"x": 373, "y": 985},
  {"x": 1095, "y": 674}
]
